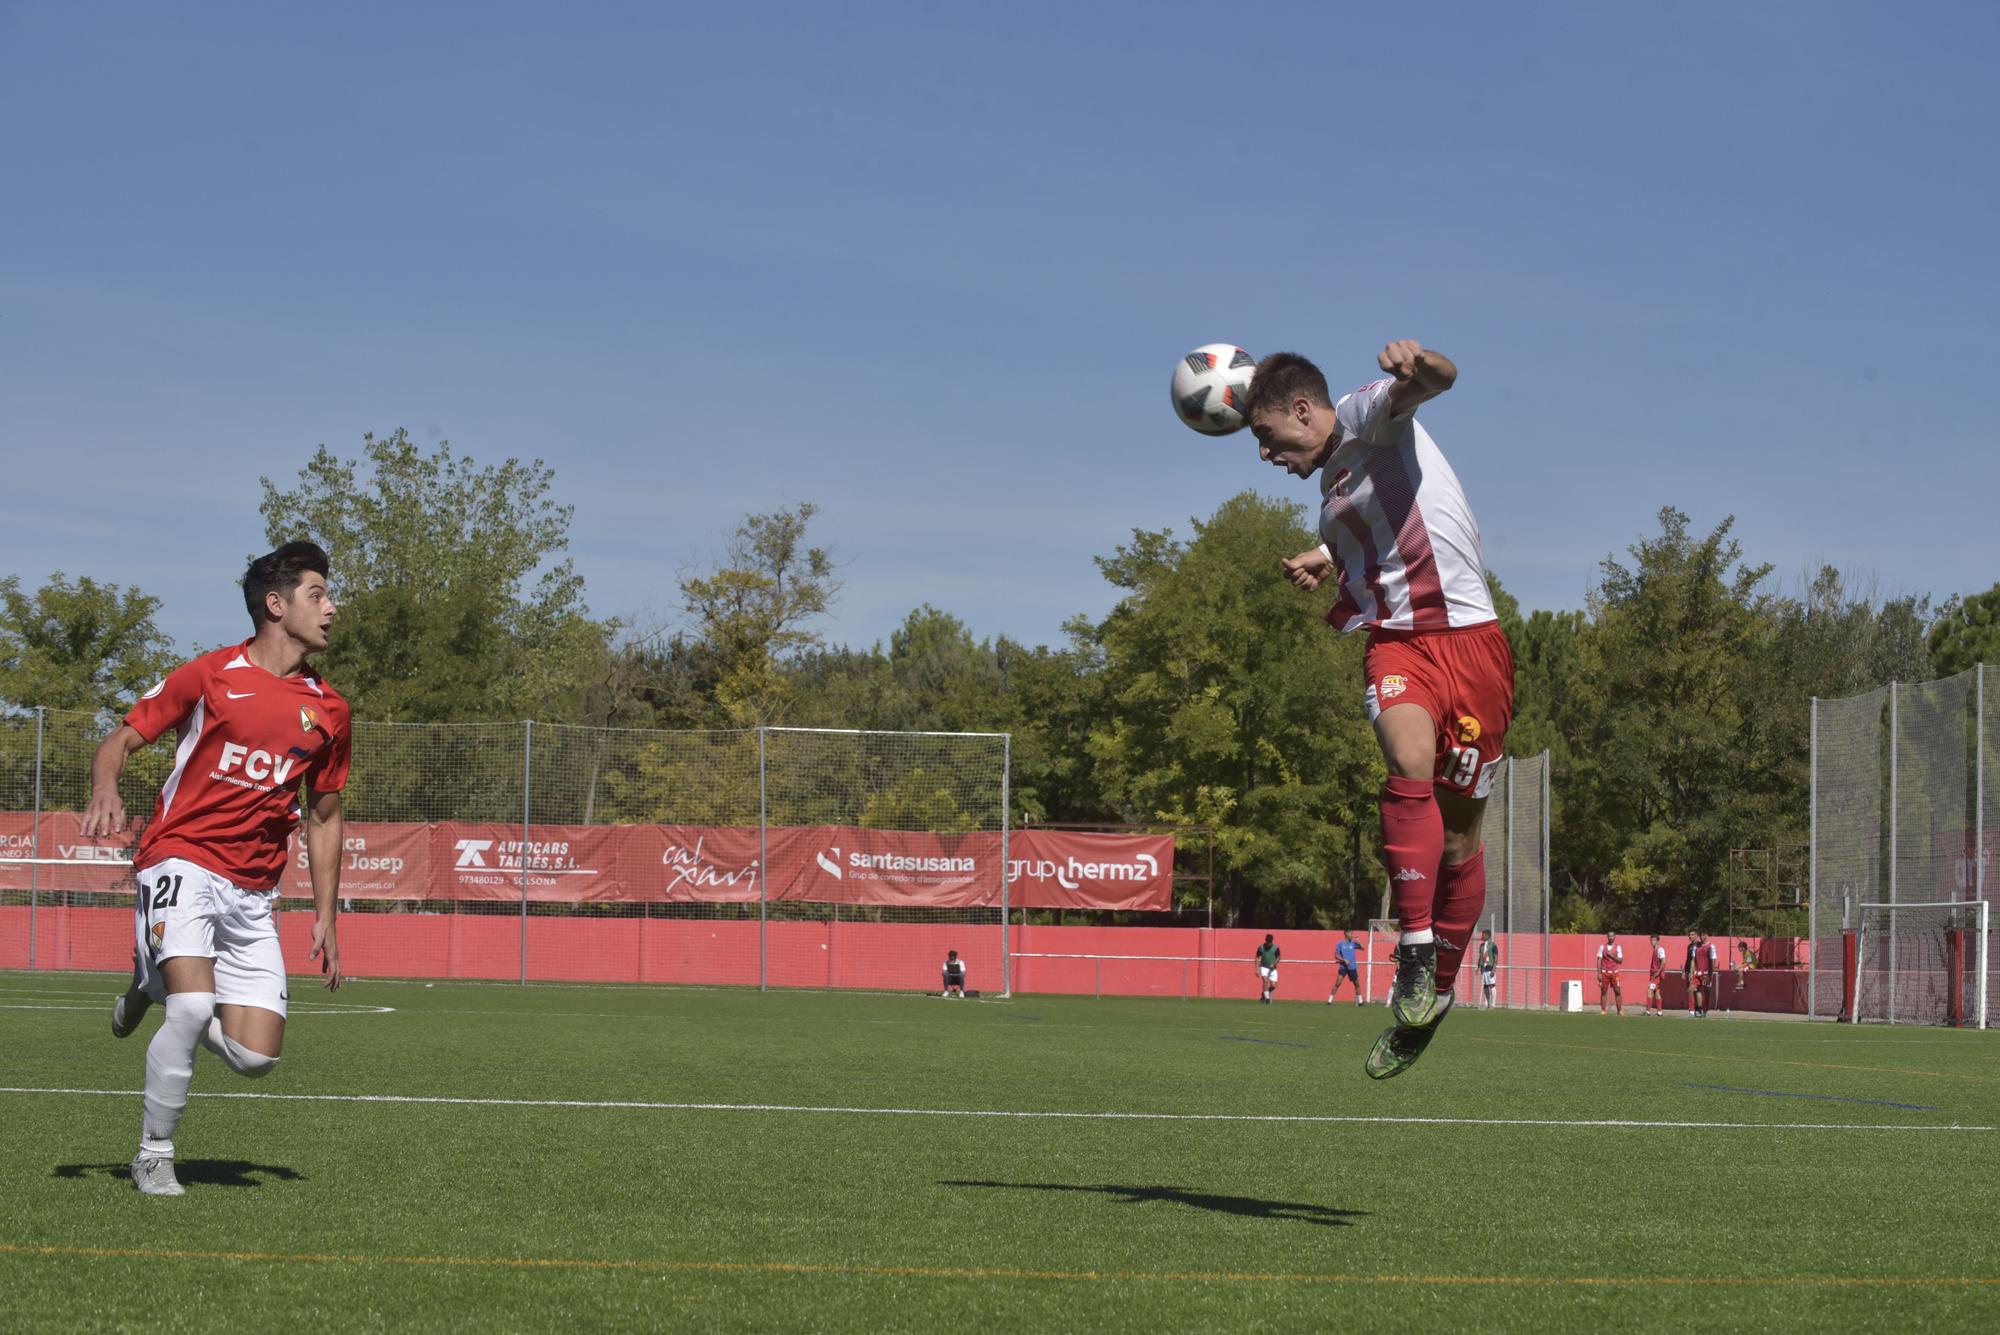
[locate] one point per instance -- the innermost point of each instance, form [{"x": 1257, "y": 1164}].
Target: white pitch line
[
  {"x": 311, "y": 1008},
  {"x": 1313, "y": 1118}
]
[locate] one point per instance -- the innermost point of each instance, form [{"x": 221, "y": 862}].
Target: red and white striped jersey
[
  {"x": 1395, "y": 522},
  {"x": 247, "y": 740}
]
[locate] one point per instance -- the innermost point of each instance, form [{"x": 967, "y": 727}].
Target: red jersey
[
  {"x": 247, "y": 740},
  {"x": 1609, "y": 957},
  {"x": 1658, "y": 968}
]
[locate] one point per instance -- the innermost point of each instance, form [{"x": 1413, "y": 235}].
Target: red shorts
[
  {"x": 1609, "y": 982},
  {"x": 1464, "y": 679}
]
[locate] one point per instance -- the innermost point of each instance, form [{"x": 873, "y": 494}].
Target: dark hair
[
  {"x": 1282, "y": 377},
  {"x": 279, "y": 572},
  {"x": 951, "y": 954},
  {"x": 1267, "y": 936}
]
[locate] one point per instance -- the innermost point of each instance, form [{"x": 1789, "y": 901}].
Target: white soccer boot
[
  {"x": 127, "y": 1011},
  {"x": 153, "y": 1174}
]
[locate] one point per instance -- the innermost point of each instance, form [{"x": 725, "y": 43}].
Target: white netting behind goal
[{"x": 1921, "y": 964}]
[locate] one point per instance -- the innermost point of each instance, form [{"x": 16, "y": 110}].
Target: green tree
[
  {"x": 1058, "y": 700},
  {"x": 946, "y": 681},
  {"x": 1229, "y": 703},
  {"x": 78, "y": 645},
  {"x": 1967, "y": 631},
  {"x": 457, "y": 602},
  {"x": 753, "y": 613},
  {"x": 1673, "y": 759}
]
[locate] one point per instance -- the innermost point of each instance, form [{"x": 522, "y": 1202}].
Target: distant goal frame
[{"x": 1974, "y": 1015}]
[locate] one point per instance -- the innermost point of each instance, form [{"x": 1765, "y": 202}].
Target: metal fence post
[
  {"x": 1979, "y": 781},
  {"x": 1006, "y": 823},
  {"x": 35, "y": 839},
  {"x": 1812, "y": 859},
  {"x": 763, "y": 859},
  {"x": 1548, "y": 884},
  {"x": 1895, "y": 739},
  {"x": 527, "y": 787},
  {"x": 1507, "y": 872}
]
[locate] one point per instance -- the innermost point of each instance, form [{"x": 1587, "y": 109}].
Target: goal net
[{"x": 1921, "y": 964}]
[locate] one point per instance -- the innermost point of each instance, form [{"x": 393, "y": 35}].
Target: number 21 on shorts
[{"x": 166, "y": 891}]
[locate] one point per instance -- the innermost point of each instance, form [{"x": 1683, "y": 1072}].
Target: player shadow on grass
[
  {"x": 1251, "y": 1207},
  {"x": 192, "y": 1172}
]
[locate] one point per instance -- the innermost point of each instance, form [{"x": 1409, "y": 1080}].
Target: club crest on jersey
[
  {"x": 308, "y": 718},
  {"x": 1468, "y": 728},
  {"x": 1338, "y": 486},
  {"x": 1394, "y": 685}
]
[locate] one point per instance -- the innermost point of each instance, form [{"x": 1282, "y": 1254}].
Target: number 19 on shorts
[{"x": 1460, "y": 768}]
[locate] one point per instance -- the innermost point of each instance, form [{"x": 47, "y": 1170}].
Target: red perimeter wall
[{"x": 1201, "y": 962}]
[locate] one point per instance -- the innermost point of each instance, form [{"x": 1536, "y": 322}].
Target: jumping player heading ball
[{"x": 1398, "y": 536}]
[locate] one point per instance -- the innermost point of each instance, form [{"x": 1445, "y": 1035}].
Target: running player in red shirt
[
  {"x": 254, "y": 722},
  {"x": 1656, "y": 973},
  {"x": 1610, "y": 958},
  {"x": 1399, "y": 537}
]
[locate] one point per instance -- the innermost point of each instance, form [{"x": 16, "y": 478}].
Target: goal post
[{"x": 1921, "y": 964}]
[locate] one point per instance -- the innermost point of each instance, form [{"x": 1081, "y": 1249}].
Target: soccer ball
[{"x": 1209, "y": 386}]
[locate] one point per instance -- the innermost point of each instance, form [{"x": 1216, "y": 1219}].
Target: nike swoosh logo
[{"x": 234, "y": 696}]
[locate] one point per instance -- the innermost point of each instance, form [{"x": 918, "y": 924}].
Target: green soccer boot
[
  {"x": 1413, "y": 997},
  {"x": 1397, "y": 1050}
]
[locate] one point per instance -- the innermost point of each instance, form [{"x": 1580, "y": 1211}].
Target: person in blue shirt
[{"x": 1350, "y": 970}]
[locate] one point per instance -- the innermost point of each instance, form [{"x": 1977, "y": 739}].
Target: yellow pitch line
[
  {"x": 1726, "y": 1057},
  {"x": 998, "y": 1272}
]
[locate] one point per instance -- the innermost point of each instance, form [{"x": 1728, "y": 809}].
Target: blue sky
[{"x": 929, "y": 267}]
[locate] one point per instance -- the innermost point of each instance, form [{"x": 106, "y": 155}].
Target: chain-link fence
[
  {"x": 550, "y": 852},
  {"x": 537, "y": 851},
  {"x": 1516, "y": 827},
  {"x": 1902, "y": 813}
]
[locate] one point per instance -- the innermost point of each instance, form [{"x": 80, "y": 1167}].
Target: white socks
[
  {"x": 190, "y": 1023},
  {"x": 170, "y": 1066},
  {"x": 240, "y": 1059}
]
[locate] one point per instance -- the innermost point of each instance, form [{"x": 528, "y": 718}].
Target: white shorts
[
  {"x": 1268, "y": 975},
  {"x": 186, "y": 910},
  {"x": 1486, "y": 979}
]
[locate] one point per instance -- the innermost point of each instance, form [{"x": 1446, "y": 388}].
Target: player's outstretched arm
[
  {"x": 1308, "y": 569},
  {"x": 106, "y": 813},
  {"x": 1421, "y": 374},
  {"x": 323, "y": 832}
]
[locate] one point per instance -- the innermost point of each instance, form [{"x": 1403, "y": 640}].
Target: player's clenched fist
[
  {"x": 1402, "y": 358},
  {"x": 1307, "y": 569}
]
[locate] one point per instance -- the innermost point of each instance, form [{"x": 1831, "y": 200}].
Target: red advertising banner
[
  {"x": 1069, "y": 869},
  {"x": 462, "y": 860},
  {"x": 90, "y": 864}
]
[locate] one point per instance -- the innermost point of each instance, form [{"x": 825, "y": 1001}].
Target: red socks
[
  {"x": 1412, "y": 846},
  {"x": 1442, "y": 902},
  {"x": 1461, "y": 898}
]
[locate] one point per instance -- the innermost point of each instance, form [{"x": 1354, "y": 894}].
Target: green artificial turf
[{"x": 464, "y": 1216}]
